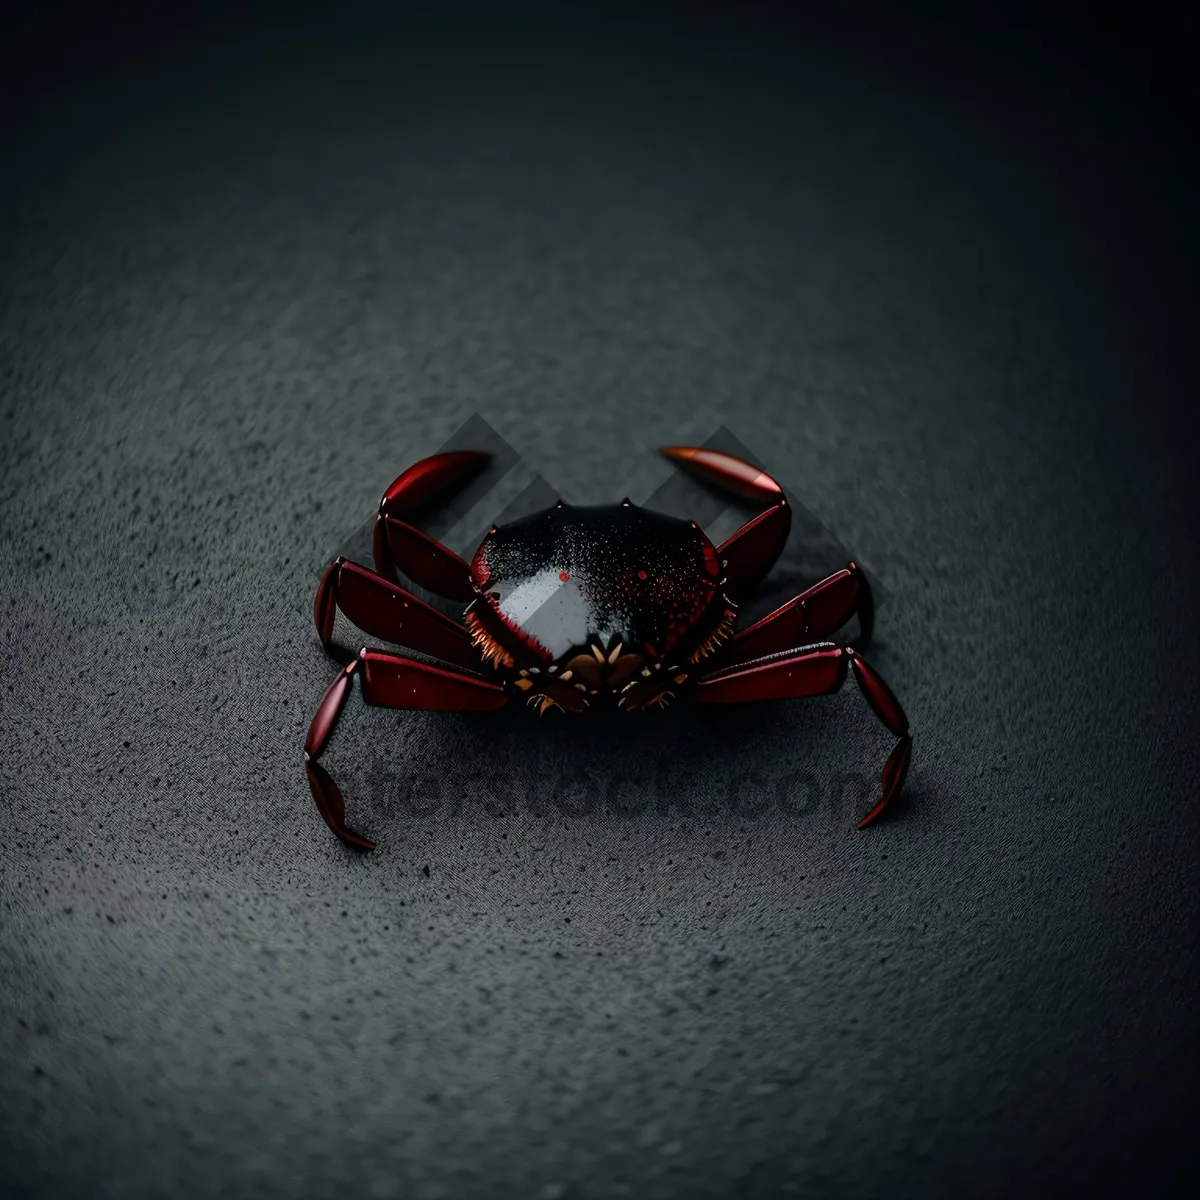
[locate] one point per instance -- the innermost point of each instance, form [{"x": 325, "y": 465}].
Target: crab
[{"x": 578, "y": 608}]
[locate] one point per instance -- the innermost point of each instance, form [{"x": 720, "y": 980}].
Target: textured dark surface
[{"x": 589, "y": 958}]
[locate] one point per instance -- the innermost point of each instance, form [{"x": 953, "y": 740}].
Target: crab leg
[
  {"x": 816, "y": 613},
  {"x": 818, "y": 670},
  {"x": 400, "y": 544},
  {"x": 750, "y": 553},
  {"x": 388, "y": 681},
  {"x": 385, "y": 610}
]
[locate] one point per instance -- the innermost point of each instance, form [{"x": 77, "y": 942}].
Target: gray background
[{"x": 247, "y": 279}]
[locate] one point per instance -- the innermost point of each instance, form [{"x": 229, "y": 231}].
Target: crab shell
[{"x": 586, "y": 605}]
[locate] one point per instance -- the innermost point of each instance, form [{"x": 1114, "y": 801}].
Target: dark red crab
[{"x": 574, "y": 608}]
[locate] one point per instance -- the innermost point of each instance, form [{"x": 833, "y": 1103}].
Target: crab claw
[
  {"x": 726, "y": 472},
  {"x": 430, "y": 478},
  {"x": 399, "y": 544},
  {"x": 749, "y": 553}
]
